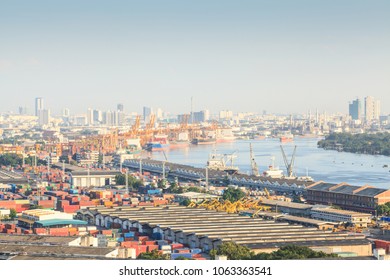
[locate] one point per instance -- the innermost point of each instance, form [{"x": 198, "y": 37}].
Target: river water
[{"x": 326, "y": 165}]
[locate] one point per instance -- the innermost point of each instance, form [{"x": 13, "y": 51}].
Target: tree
[
  {"x": 233, "y": 251},
  {"x": 185, "y": 202},
  {"x": 383, "y": 209},
  {"x": 13, "y": 214},
  {"x": 195, "y": 189},
  {"x": 293, "y": 252},
  {"x": 233, "y": 194},
  {"x": 64, "y": 159},
  {"x": 181, "y": 258},
  {"x": 153, "y": 255},
  {"x": 11, "y": 160},
  {"x": 133, "y": 182}
]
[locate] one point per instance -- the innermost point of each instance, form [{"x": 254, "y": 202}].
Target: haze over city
[{"x": 279, "y": 56}]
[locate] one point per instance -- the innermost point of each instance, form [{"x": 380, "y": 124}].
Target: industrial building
[
  {"x": 93, "y": 178},
  {"x": 205, "y": 229},
  {"x": 10, "y": 177},
  {"x": 40, "y": 218},
  {"x": 355, "y": 198},
  {"x": 53, "y": 247},
  {"x": 341, "y": 216}
]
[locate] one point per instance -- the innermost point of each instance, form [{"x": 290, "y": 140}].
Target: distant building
[
  {"x": 371, "y": 109},
  {"x": 39, "y": 105},
  {"x": 225, "y": 115},
  {"x": 90, "y": 120},
  {"x": 66, "y": 113},
  {"x": 120, "y": 107},
  {"x": 355, "y": 109},
  {"x": 355, "y": 198},
  {"x": 147, "y": 111},
  {"x": 43, "y": 117},
  {"x": 341, "y": 216},
  {"x": 97, "y": 116},
  {"x": 23, "y": 111},
  {"x": 201, "y": 116}
]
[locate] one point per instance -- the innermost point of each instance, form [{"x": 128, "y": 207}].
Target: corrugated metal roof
[{"x": 54, "y": 222}]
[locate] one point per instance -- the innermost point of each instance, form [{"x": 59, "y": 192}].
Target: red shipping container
[
  {"x": 129, "y": 239},
  {"x": 107, "y": 232},
  {"x": 143, "y": 238},
  {"x": 148, "y": 243}
]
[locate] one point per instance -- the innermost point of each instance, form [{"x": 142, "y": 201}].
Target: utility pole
[
  {"x": 63, "y": 171},
  {"x": 127, "y": 180},
  {"x": 207, "y": 177}
]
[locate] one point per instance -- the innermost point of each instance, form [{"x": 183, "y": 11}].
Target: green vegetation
[
  {"x": 154, "y": 255},
  {"x": 11, "y": 160},
  {"x": 185, "y": 202},
  {"x": 233, "y": 194},
  {"x": 383, "y": 209},
  {"x": 364, "y": 143},
  {"x": 181, "y": 258},
  {"x": 12, "y": 214},
  {"x": 291, "y": 252},
  {"x": 134, "y": 183},
  {"x": 175, "y": 188},
  {"x": 233, "y": 251},
  {"x": 195, "y": 189}
]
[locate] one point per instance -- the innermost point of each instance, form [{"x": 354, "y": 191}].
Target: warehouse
[
  {"x": 207, "y": 229},
  {"x": 341, "y": 216},
  {"x": 355, "y": 198},
  {"x": 93, "y": 178},
  {"x": 292, "y": 208}
]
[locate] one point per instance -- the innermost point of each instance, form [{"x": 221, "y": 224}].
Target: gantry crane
[
  {"x": 255, "y": 169},
  {"x": 289, "y": 165}
]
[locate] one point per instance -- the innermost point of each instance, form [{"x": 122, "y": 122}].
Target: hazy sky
[{"x": 279, "y": 56}]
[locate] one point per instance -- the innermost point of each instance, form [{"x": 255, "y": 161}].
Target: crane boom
[
  {"x": 255, "y": 169},
  {"x": 289, "y": 166}
]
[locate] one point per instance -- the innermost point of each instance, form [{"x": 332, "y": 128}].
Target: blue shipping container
[{"x": 196, "y": 251}]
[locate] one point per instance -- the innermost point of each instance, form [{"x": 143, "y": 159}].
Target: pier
[{"x": 190, "y": 173}]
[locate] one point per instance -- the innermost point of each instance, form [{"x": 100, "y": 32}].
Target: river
[{"x": 326, "y": 165}]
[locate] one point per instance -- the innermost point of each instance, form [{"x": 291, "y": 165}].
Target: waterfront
[{"x": 326, "y": 165}]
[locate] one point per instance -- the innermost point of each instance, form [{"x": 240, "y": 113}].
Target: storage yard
[{"x": 204, "y": 229}]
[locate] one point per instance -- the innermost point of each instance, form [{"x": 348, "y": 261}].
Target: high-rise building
[
  {"x": 371, "y": 109},
  {"x": 97, "y": 116},
  {"x": 147, "y": 111},
  {"x": 39, "y": 105},
  {"x": 43, "y": 117},
  {"x": 22, "y": 110},
  {"x": 226, "y": 115},
  {"x": 120, "y": 107},
  {"x": 66, "y": 113},
  {"x": 355, "y": 109},
  {"x": 90, "y": 120}
]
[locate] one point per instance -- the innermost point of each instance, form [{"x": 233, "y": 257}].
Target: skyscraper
[
  {"x": 355, "y": 109},
  {"x": 38, "y": 105},
  {"x": 120, "y": 107},
  {"x": 371, "y": 109},
  {"x": 43, "y": 117},
  {"x": 147, "y": 112}
]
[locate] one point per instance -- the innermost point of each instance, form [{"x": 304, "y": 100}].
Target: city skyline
[{"x": 268, "y": 56}]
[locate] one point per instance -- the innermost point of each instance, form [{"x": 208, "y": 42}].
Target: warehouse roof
[
  {"x": 55, "y": 222},
  {"x": 340, "y": 212},
  {"x": 27, "y": 238},
  {"x": 280, "y": 203},
  {"x": 344, "y": 188},
  {"x": 303, "y": 220},
  {"x": 57, "y": 250}
]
